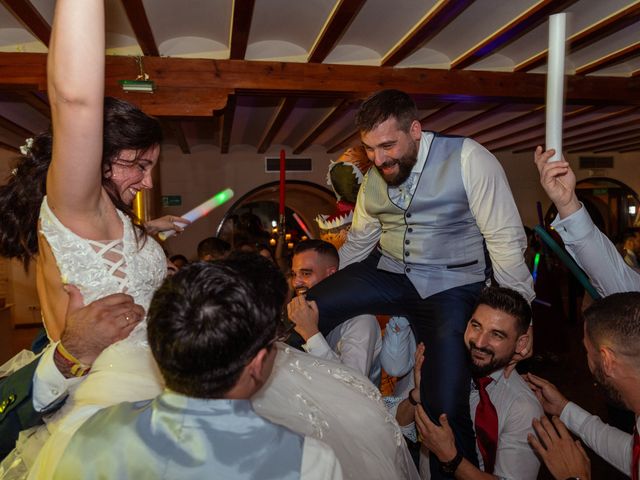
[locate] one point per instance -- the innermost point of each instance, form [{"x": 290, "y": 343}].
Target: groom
[{"x": 211, "y": 329}]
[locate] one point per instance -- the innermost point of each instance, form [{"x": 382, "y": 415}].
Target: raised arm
[{"x": 75, "y": 80}]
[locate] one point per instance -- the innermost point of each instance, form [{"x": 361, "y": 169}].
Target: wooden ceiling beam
[
  {"x": 241, "y": 17},
  {"x": 30, "y": 18},
  {"x": 348, "y": 141},
  {"x": 172, "y": 101},
  {"x": 631, "y": 148},
  {"x": 597, "y": 121},
  {"x": 14, "y": 128},
  {"x": 535, "y": 129},
  {"x": 334, "y": 114},
  {"x": 607, "y": 135},
  {"x": 525, "y": 117},
  {"x": 567, "y": 142},
  {"x": 488, "y": 113},
  {"x": 279, "y": 117},
  {"x": 34, "y": 100},
  {"x": 339, "y": 20},
  {"x": 11, "y": 148},
  {"x": 599, "y": 133},
  {"x": 613, "y": 58},
  {"x": 587, "y": 36},
  {"x": 618, "y": 147},
  {"x": 626, "y": 138},
  {"x": 175, "y": 128},
  {"x": 514, "y": 30},
  {"x": 436, "y": 19},
  {"x": 227, "y": 124},
  {"x": 443, "y": 111},
  {"x": 140, "y": 24},
  {"x": 29, "y": 69}
]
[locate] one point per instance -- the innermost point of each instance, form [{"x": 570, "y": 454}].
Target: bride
[{"x": 87, "y": 237}]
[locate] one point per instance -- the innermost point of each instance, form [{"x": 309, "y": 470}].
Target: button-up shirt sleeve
[
  {"x": 357, "y": 344},
  {"x": 497, "y": 217},
  {"x": 49, "y": 385},
  {"x": 610, "y": 443},
  {"x": 318, "y": 346},
  {"x": 363, "y": 235},
  {"x": 515, "y": 459},
  {"x": 595, "y": 254}
]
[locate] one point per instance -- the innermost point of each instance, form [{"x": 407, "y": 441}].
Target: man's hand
[
  {"x": 563, "y": 456},
  {"x": 305, "y": 315},
  {"x": 558, "y": 180},
  {"x": 92, "y": 328},
  {"x": 523, "y": 354},
  {"x": 548, "y": 395},
  {"x": 168, "y": 222},
  {"x": 438, "y": 439}
]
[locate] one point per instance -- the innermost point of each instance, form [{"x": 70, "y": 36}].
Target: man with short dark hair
[
  {"x": 357, "y": 342},
  {"x": 213, "y": 248},
  {"x": 431, "y": 222},
  {"x": 612, "y": 342},
  {"x": 496, "y": 331},
  {"x": 211, "y": 329}
]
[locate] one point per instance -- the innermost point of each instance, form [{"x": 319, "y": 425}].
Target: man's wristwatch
[{"x": 451, "y": 466}]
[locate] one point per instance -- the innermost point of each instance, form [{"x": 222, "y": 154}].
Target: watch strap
[{"x": 451, "y": 466}]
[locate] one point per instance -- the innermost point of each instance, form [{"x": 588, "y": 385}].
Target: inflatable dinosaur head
[{"x": 345, "y": 177}]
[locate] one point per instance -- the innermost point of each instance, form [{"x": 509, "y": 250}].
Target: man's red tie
[
  {"x": 487, "y": 425},
  {"x": 636, "y": 454}
]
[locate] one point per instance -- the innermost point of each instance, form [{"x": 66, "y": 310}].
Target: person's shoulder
[
  {"x": 522, "y": 396},
  {"x": 109, "y": 421}
]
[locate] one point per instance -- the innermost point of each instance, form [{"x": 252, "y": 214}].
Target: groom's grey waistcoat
[{"x": 435, "y": 241}]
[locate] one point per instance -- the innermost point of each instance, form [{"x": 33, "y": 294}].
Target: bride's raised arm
[{"x": 75, "y": 79}]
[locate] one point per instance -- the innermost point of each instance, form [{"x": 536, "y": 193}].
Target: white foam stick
[
  {"x": 201, "y": 210},
  {"x": 555, "y": 83}
]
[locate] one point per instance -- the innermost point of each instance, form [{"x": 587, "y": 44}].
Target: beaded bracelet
[{"x": 76, "y": 367}]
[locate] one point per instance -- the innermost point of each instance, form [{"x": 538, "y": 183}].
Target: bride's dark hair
[{"x": 125, "y": 127}]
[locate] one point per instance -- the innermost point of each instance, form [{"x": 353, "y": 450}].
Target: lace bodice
[{"x": 80, "y": 263}]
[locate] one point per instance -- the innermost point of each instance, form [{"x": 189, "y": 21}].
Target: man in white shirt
[
  {"x": 355, "y": 343},
  {"x": 590, "y": 248},
  {"x": 211, "y": 329},
  {"x": 496, "y": 331},
  {"x": 612, "y": 342},
  {"x": 431, "y": 222},
  {"x": 41, "y": 386}
]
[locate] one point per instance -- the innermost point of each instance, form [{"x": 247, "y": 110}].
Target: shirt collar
[
  {"x": 497, "y": 376},
  {"x": 423, "y": 150}
]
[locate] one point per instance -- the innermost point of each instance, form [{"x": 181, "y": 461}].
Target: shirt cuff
[
  {"x": 317, "y": 346},
  {"x": 49, "y": 385},
  {"x": 574, "y": 227}
]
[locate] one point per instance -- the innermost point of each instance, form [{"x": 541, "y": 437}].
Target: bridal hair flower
[{"x": 26, "y": 148}]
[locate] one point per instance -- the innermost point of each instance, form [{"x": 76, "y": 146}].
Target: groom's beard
[{"x": 405, "y": 165}]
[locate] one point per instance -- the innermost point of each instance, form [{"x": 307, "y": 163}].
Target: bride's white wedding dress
[{"x": 310, "y": 396}]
